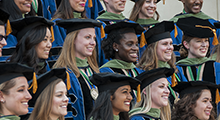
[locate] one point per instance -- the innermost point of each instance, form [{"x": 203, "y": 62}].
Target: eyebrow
[
  {"x": 124, "y": 89},
  {"x": 22, "y": 86}
]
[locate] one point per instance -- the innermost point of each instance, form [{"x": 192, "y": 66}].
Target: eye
[
  {"x": 87, "y": 37},
  {"x": 59, "y": 95},
  {"x": 20, "y": 90},
  {"x": 161, "y": 86}
]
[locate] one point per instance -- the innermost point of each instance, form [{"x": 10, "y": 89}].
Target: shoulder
[
  {"x": 106, "y": 69},
  {"x": 136, "y": 117}
]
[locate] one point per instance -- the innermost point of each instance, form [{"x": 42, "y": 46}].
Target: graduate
[
  {"x": 196, "y": 99},
  {"x": 78, "y": 56},
  {"x": 154, "y": 103},
  {"x": 195, "y": 45},
  {"x": 14, "y": 95},
  {"x": 114, "y": 97},
  {"x": 121, "y": 48},
  {"x": 50, "y": 100},
  {"x": 34, "y": 42},
  {"x": 3, "y": 36}
]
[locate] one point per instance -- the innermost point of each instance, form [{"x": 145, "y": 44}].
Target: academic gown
[
  {"x": 9, "y": 117},
  {"x": 152, "y": 114}
]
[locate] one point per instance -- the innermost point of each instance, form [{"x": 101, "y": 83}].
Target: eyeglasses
[{"x": 1, "y": 37}]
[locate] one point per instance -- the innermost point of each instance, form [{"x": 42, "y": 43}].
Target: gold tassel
[
  {"x": 90, "y": 3},
  {"x": 175, "y": 31},
  {"x": 217, "y": 98},
  {"x": 102, "y": 32},
  {"x": 68, "y": 81},
  {"x": 174, "y": 82},
  {"x": 164, "y": 2},
  {"x": 143, "y": 41},
  {"x": 215, "y": 39},
  {"x": 8, "y": 28},
  {"x": 34, "y": 82},
  {"x": 139, "y": 93},
  {"x": 52, "y": 33}
]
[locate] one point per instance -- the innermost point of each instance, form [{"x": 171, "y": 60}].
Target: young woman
[
  {"x": 195, "y": 45},
  {"x": 14, "y": 95},
  {"x": 3, "y": 19},
  {"x": 50, "y": 100},
  {"x": 195, "y": 101},
  {"x": 154, "y": 102},
  {"x": 114, "y": 97},
  {"x": 78, "y": 56},
  {"x": 121, "y": 48},
  {"x": 34, "y": 42}
]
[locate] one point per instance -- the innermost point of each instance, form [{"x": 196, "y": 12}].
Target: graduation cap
[
  {"x": 217, "y": 25},
  {"x": 10, "y": 71},
  {"x": 150, "y": 76},
  {"x": 45, "y": 79},
  {"x": 4, "y": 18},
  {"x": 196, "y": 27},
  {"x": 23, "y": 25},
  {"x": 156, "y": 2},
  {"x": 184, "y": 88},
  {"x": 158, "y": 32},
  {"x": 79, "y": 23},
  {"x": 108, "y": 81}
]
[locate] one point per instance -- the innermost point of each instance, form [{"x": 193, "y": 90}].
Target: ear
[
  {"x": 186, "y": 45},
  {"x": 2, "y": 99},
  {"x": 111, "y": 98},
  {"x": 106, "y": 1},
  {"x": 115, "y": 46},
  {"x": 144, "y": 91}
]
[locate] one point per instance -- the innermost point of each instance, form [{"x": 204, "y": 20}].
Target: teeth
[
  {"x": 90, "y": 48},
  {"x": 133, "y": 54},
  {"x": 25, "y": 103},
  {"x": 127, "y": 103},
  {"x": 64, "y": 106}
]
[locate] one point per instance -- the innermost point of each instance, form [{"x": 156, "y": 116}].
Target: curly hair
[
  {"x": 183, "y": 109},
  {"x": 114, "y": 37}
]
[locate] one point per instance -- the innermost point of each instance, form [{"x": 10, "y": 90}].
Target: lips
[
  {"x": 25, "y": 103},
  {"x": 82, "y": 4},
  {"x": 134, "y": 55},
  {"x": 127, "y": 103},
  {"x": 27, "y": 5}
]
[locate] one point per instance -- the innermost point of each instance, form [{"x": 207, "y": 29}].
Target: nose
[
  {"x": 28, "y": 95},
  {"x": 123, "y": 0},
  {"x": 3, "y": 42},
  {"x": 49, "y": 44},
  {"x": 129, "y": 97},
  {"x": 167, "y": 91},
  {"x": 135, "y": 47},
  {"x": 204, "y": 43},
  {"x": 93, "y": 41},
  {"x": 210, "y": 105},
  {"x": 152, "y": 4},
  {"x": 65, "y": 99}
]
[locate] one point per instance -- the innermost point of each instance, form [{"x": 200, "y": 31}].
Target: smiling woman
[
  {"x": 34, "y": 42},
  {"x": 14, "y": 95}
]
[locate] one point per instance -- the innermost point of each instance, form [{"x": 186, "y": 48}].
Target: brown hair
[
  {"x": 147, "y": 61},
  {"x": 67, "y": 56},
  {"x": 217, "y": 51},
  {"x": 65, "y": 11},
  {"x": 183, "y": 109},
  {"x": 43, "y": 105},
  {"x": 136, "y": 10},
  {"x": 183, "y": 51}
]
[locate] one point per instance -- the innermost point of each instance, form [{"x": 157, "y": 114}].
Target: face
[
  {"x": 164, "y": 49},
  {"x": 115, "y": 6},
  {"x": 16, "y": 102},
  {"x": 60, "y": 101},
  {"x": 128, "y": 48},
  {"x": 24, "y": 5},
  {"x": 197, "y": 47},
  {"x": 3, "y": 41},
  {"x": 85, "y": 43},
  {"x": 148, "y": 9},
  {"x": 43, "y": 48},
  {"x": 203, "y": 105},
  {"x": 78, "y": 5},
  {"x": 192, "y": 6},
  {"x": 121, "y": 99},
  {"x": 159, "y": 93}
]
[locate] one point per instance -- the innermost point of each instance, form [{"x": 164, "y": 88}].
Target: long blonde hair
[
  {"x": 67, "y": 56},
  {"x": 146, "y": 103},
  {"x": 147, "y": 61},
  {"x": 43, "y": 105}
]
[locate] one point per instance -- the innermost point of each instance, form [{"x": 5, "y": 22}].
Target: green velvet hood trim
[
  {"x": 77, "y": 15},
  {"x": 111, "y": 16},
  {"x": 163, "y": 64},
  {"x": 193, "y": 61},
  {"x": 81, "y": 62},
  {"x": 115, "y": 63},
  {"x": 147, "y": 21}
]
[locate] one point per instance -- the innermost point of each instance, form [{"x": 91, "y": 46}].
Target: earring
[{"x": 116, "y": 50}]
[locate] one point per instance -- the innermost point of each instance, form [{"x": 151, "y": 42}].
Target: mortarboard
[
  {"x": 217, "y": 24},
  {"x": 76, "y": 24},
  {"x": 108, "y": 81},
  {"x": 196, "y": 27},
  {"x": 159, "y": 31},
  {"x": 10, "y": 71},
  {"x": 45, "y": 79},
  {"x": 23, "y": 25},
  {"x": 184, "y": 88},
  {"x": 4, "y": 18}
]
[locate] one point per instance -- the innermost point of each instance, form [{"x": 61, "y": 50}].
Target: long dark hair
[
  {"x": 15, "y": 13},
  {"x": 183, "y": 109},
  {"x": 102, "y": 109},
  {"x": 65, "y": 11},
  {"x": 25, "y": 52}
]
